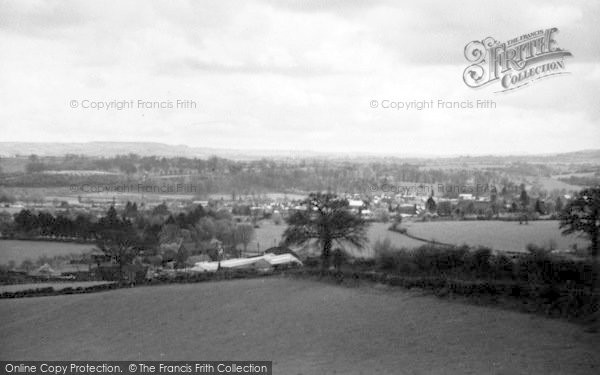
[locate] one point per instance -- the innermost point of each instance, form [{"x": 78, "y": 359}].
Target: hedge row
[
  {"x": 162, "y": 280},
  {"x": 50, "y": 291},
  {"x": 554, "y": 300},
  {"x": 463, "y": 262}
]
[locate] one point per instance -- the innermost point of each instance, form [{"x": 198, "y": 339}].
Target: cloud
[{"x": 295, "y": 75}]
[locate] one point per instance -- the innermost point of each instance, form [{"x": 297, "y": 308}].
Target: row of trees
[
  {"x": 218, "y": 174},
  {"x": 178, "y": 237},
  {"x": 130, "y": 233}
]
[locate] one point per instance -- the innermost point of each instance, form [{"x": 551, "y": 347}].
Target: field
[
  {"x": 269, "y": 235},
  {"x": 495, "y": 234},
  {"x": 304, "y": 327},
  {"x": 498, "y": 235},
  {"x": 19, "y": 251}
]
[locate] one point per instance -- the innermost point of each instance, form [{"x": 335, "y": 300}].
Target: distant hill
[{"x": 97, "y": 149}]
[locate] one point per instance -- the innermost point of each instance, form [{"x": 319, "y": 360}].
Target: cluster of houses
[{"x": 370, "y": 206}]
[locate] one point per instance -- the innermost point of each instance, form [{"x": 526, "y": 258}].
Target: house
[{"x": 356, "y": 204}]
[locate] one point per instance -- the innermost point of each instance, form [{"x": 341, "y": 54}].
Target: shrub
[
  {"x": 502, "y": 267},
  {"x": 312, "y": 262},
  {"x": 479, "y": 261}
]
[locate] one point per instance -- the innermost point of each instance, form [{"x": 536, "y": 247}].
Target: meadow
[
  {"x": 303, "y": 326},
  {"x": 499, "y": 235},
  {"x": 269, "y": 235},
  {"x": 18, "y": 251}
]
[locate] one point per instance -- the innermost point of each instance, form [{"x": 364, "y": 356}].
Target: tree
[
  {"x": 170, "y": 233},
  {"x": 327, "y": 219},
  {"x": 559, "y": 204},
  {"x": 244, "y": 234},
  {"x": 161, "y": 209},
  {"x": 224, "y": 232},
  {"x": 524, "y": 198},
  {"x": 205, "y": 229},
  {"x": 430, "y": 205},
  {"x": 117, "y": 238},
  {"x": 6, "y": 222},
  {"x": 131, "y": 210},
  {"x": 582, "y": 215},
  {"x": 182, "y": 255},
  {"x": 27, "y": 265},
  {"x": 25, "y": 221},
  {"x": 540, "y": 207}
]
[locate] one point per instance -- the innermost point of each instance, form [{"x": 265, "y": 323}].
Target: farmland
[
  {"x": 269, "y": 235},
  {"x": 495, "y": 234},
  {"x": 19, "y": 251},
  {"x": 302, "y": 326},
  {"x": 498, "y": 235}
]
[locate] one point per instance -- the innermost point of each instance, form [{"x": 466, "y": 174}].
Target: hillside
[
  {"x": 96, "y": 149},
  {"x": 304, "y": 327}
]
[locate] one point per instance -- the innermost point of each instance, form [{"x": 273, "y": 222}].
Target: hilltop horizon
[{"x": 111, "y": 148}]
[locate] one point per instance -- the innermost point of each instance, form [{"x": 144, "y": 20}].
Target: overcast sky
[{"x": 292, "y": 75}]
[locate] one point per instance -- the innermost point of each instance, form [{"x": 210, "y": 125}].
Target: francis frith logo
[{"x": 515, "y": 63}]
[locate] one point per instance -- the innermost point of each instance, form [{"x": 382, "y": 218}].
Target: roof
[
  {"x": 355, "y": 203},
  {"x": 278, "y": 250},
  {"x": 260, "y": 262}
]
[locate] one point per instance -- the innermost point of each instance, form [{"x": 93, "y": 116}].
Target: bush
[
  {"x": 502, "y": 267},
  {"x": 479, "y": 262},
  {"x": 440, "y": 260},
  {"x": 312, "y": 262}
]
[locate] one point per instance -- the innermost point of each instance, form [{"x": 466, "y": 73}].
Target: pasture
[
  {"x": 269, "y": 235},
  {"x": 303, "y": 326},
  {"x": 498, "y": 235},
  {"x": 18, "y": 251}
]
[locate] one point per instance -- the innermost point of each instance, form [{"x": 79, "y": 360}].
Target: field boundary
[
  {"x": 178, "y": 279},
  {"x": 47, "y": 239},
  {"x": 404, "y": 231}
]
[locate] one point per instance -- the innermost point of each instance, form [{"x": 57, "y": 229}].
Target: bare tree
[{"x": 327, "y": 219}]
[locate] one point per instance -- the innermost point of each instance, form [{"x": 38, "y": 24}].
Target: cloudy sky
[{"x": 291, "y": 75}]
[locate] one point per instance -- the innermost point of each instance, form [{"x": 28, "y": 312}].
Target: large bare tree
[{"x": 326, "y": 219}]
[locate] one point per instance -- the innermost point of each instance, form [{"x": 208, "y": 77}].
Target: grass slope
[
  {"x": 22, "y": 250},
  {"x": 499, "y": 235},
  {"x": 305, "y": 327}
]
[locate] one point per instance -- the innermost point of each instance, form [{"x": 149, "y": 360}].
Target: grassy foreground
[{"x": 303, "y": 326}]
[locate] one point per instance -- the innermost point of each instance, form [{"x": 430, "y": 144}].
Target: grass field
[
  {"x": 495, "y": 234},
  {"x": 304, "y": 327},
  {"x": 498, "y": 235},
  {"x": 269, "y": 235},
  {"x": 22, "y": 250}
]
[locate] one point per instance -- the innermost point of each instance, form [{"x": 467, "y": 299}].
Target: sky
[{"x": 291, "y": 75}]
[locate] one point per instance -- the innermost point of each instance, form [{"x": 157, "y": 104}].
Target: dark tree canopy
[
  {"x": 582, "y": 215},
  {"x": 117, "y": 238},
  {"x": 327, "y": 219}
]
